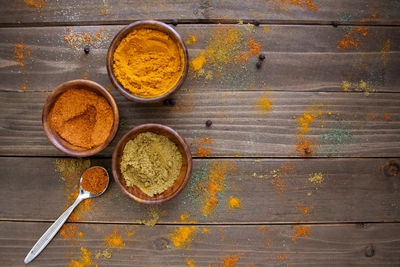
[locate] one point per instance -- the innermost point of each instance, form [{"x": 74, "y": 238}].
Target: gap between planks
[{"x": 203, "y": 21}]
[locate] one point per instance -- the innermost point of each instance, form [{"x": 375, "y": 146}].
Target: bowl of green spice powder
[{"x": 152, "y": 163}]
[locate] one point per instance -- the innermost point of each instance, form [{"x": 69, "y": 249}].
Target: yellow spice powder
[{"x": 148, "y": 62}]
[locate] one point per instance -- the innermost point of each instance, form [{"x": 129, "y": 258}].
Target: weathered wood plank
[
  {"x": 298, "y": 58},
  {"x": 112, "y": 11},
  {"x": 351, "y": 124},
  {"x": 324, "y": 245},
  {"x": 350, "y": 190}
]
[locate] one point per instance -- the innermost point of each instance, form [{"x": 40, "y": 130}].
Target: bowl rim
[
  {"x": 181, "y": 140},
  {"x": 113, "y": 45},
  {"x": 60, "y": 89}
]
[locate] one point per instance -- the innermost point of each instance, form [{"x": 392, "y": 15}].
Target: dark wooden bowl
[
  {"x": 152, "y": 24},
  {"x": 53, "y": 136},
  {"x": 184, "y": 175}
]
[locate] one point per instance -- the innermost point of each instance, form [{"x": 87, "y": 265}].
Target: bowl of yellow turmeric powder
[
  {"x": 147, "y": 61},
  {"x": 80, "y": 118}
]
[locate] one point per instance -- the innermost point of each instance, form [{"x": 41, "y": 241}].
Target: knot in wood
[
  {"x": 161, "y": 243},
  {"x": 369, "y": 251},
  {"x": 391, "y": 168}
]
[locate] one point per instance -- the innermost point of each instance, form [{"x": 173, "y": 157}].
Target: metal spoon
[{"x": 55, "y": 227}]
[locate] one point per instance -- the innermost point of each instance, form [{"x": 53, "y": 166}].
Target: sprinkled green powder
[{"x": 336, "y": 137}]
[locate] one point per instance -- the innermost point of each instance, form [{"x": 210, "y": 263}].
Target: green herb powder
[{"x": 151, "y": 162}]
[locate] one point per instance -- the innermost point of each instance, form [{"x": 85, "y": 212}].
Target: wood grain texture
[
  {"x": 326, "y": 245},
  {"x": 239, "y": 127},
  {"x": 112, "y": 11},
  {"x": 352, "y": 190},
  {"x": 298, "y": 58}
]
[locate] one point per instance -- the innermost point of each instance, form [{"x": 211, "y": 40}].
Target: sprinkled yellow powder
[
  {"x": 234, "y": 202},
  {"x": 384, "y": 52},
  {"x": 192, "y": 39},
  {"x": 199, "y": 61},
  {"x": 264, "y": 103},
  {"x": 183, "y": 236},
  {"x": 85, "y": 259},
  {"x": 114, "y": 240},
  {"x": 190, "y": 262},
  {"x": 316, "y": 178}
]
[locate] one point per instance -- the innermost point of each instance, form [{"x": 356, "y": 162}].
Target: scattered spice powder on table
[
  {"x": 38, "y": 4},
  {"x": 352, "y": 38},
  {"x": 216, "y": 184},
  {"x": 301, "y": 231},
  {"x": 114, "y": 240},
  {"x": 234, "y": 203},
  {"x": 264, "y": 103},
  {"x": 85, "y": 260},
  {"x": 68, "y": 231},
  {"x": 230, "y": 261},
  {"x": 151, "y": 162},
  {"x": 182, "y": 237},
  {"x": 148, "y": 62},
  {"x": 94, "y": 180},
  {"x": 82, "y": 118}
]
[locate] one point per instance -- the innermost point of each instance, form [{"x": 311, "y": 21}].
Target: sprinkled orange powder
[
  {"x": 352, "y": 38},
  {"x": 84, "y": 261},
  {"x": 234, "y": 203},
  {"x": 387, "y": 116},
  {"x": 38, "y": 4},
  {"x": 277, "y": 177},
  {"x": 230, "y": 261},
  {"x": 189, "y": 262},
  {"x": 68, "y": 231},
  {"x": 114, "y": 240},
  {"x": 301, "y": 231},
  {"x": 304, "y": 209},
  {"x": 183, "y": 236},
  {"x": 305, "y": 147},
  {"x": 203, "y": 152},
  {"x": 216, "y": 184}
]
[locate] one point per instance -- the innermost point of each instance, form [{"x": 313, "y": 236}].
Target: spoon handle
[{"x": 51, "y": 232}]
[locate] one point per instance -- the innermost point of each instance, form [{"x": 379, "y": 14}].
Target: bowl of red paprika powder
[{"x": 80, "y": 118}]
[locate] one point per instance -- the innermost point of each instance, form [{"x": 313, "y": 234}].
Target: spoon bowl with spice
[
  {"x": 147, "y": 61},
  {"x": 80, "y": 118},
  {"x": 152, "y": 163},
  {"x": 94, "y": 182}
]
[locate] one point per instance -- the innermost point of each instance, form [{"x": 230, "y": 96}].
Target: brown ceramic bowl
[
  {"x": 152, "y": 24},
  {"x": 52, "y": 135},
  {"x": 184, "y": 175}
]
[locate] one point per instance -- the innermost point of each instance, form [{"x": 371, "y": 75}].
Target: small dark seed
[
  {"x": 86, "y": 49},
  {"x": 257, "y": 23},
  {"x": 261, "y": 57},
  {"x": 175, "y": 22},
  {"x": 259, "y": 64},
  {"x": 172, "y": 102},
  {"x": 335, "y": 24},
  {"x": 166, "y": 102},
  {"x": 208, "y": 123}
]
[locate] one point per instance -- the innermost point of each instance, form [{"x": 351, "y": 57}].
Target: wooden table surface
[{"x": 314, "y": 171}]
